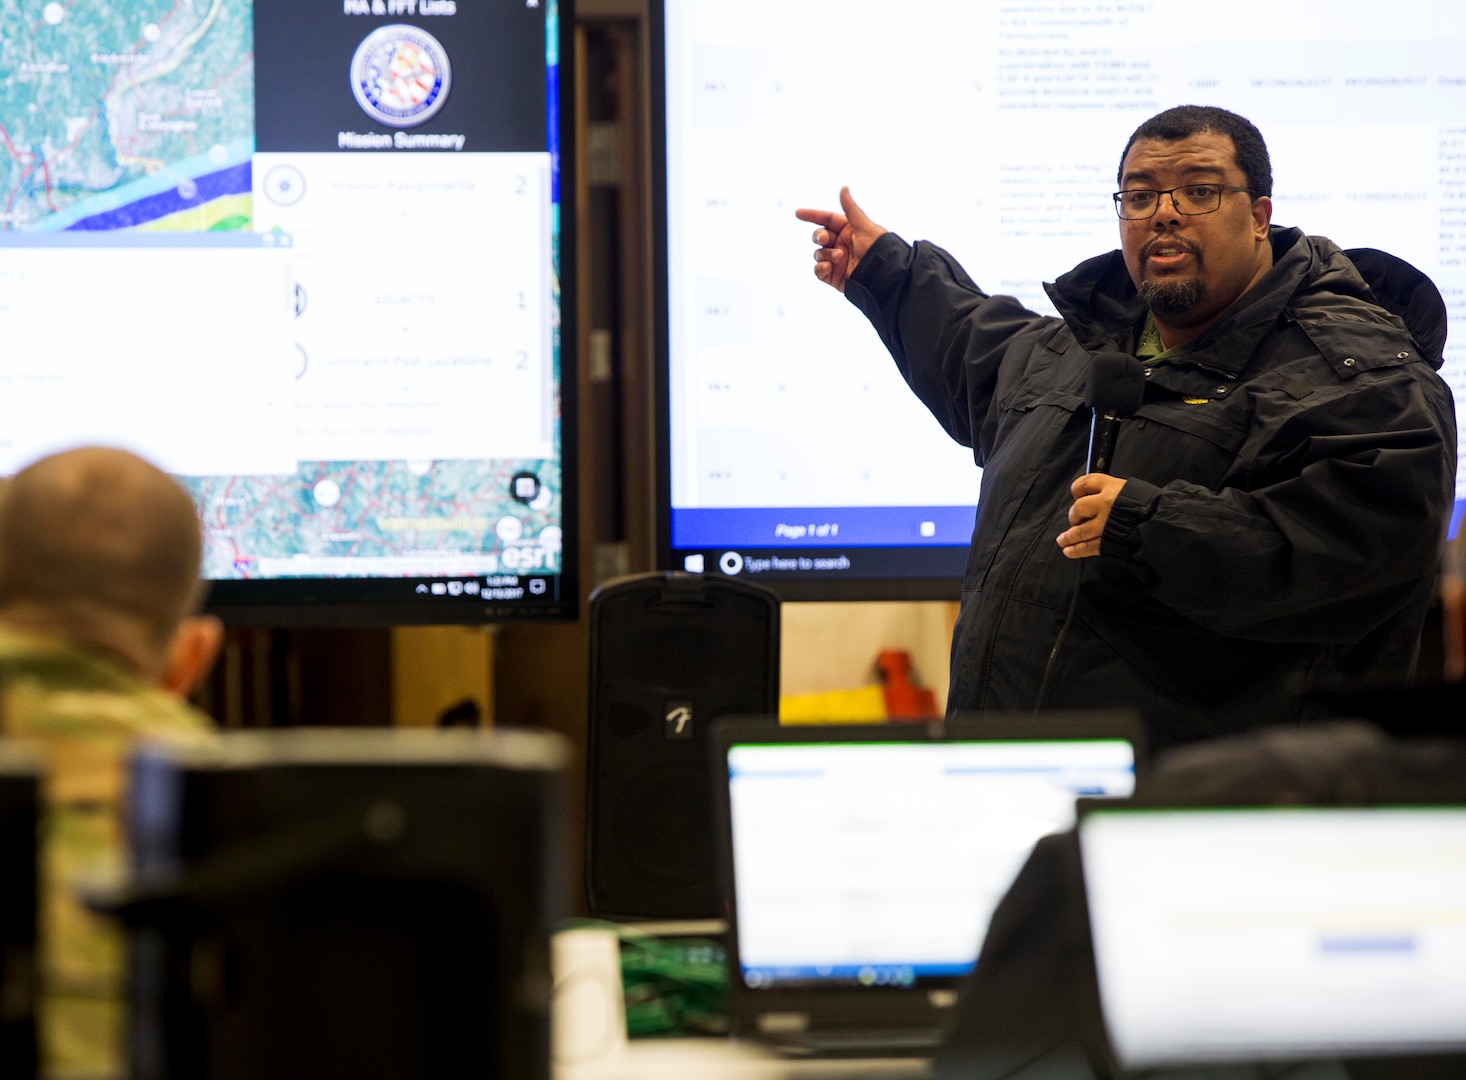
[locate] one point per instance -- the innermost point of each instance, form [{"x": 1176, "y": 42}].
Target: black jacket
[{"x": 1289, "y": 477}]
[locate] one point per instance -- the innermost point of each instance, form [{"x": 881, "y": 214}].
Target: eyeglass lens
[{"x": 1195, "y": 199}]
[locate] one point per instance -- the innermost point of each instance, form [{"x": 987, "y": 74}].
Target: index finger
[{"x": 827, "y": 218}]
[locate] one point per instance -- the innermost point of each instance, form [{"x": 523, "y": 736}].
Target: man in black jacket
[{"x": 1273, "y": 514}]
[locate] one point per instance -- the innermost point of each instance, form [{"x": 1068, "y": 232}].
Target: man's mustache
[{"x": 1181, "y": 242}]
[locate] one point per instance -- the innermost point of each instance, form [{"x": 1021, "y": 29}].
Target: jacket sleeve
[
  {"x": 1336, "y": 519},
  {"x": 947, "y": 336}
]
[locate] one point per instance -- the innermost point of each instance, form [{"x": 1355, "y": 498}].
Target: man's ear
[
  {"x": 1262, "y": 216},
  {"x": 191, "y": 653}
]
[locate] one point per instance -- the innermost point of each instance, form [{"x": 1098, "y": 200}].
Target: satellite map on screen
[{"x": 138, "y": 115}]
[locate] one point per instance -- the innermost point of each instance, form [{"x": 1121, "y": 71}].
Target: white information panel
[
  {"x": 117, "y": 341},
  {"x": 427, "y": 335}
]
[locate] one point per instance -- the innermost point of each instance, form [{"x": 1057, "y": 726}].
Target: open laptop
[
  {"x": 861, "y": 864},
  {"x": 1268, "y": 934}
]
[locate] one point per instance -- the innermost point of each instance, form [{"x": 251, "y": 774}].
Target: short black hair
[{"x": 1186, "y": 120}]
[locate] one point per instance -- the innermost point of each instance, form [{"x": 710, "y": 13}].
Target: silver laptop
[
  {"x": 862, "y": 864},
  {"x": 1271, "y": 934}
]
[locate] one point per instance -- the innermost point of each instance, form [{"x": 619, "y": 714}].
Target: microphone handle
[{"x": 1103, "y": 431}]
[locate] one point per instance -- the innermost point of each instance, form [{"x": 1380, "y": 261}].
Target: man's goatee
[{"x": 1172, "y": 297}]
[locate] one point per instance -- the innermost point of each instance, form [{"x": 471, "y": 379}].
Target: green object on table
[{"x": 672, "y": 986}]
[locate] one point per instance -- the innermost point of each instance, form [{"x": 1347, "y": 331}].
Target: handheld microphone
[{"x": 1115, "y": 389}]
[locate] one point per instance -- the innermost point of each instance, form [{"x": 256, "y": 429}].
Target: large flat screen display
[
  {"x": 794, "y": 453},
  {"x": 308, "y": 258}
]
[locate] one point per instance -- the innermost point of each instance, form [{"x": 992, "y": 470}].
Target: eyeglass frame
[{"x": 1222, "y": 189}]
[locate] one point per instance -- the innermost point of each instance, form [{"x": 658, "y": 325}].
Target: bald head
[{"x": 100, "y": 546}]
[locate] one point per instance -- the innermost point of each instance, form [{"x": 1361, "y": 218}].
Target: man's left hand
[{"x": 1094, "y": 494}]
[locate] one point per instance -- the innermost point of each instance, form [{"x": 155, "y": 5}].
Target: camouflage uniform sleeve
[{"x": 85, "y": 720}]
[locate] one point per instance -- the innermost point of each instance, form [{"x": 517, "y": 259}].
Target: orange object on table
[{"x": 904, "y": 699}]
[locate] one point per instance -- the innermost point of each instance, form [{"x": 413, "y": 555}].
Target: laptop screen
[
  {"x": 1253, "y": 934},
  {"x": 878, "y": 864}
]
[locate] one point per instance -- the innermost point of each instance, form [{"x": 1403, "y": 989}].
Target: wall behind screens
[
  {"x": 308, "y": 258},
  {"x": 794, "y": 452}
]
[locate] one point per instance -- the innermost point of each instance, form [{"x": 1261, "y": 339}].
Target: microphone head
[{"x": 1116, "y": 384}]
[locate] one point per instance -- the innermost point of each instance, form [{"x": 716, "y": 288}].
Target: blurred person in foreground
[{"x": 99, "y": 643}]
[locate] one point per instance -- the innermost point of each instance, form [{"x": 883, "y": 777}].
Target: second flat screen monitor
[{"x": 795, "y": 454}]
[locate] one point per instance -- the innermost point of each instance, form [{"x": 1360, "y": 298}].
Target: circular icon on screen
[
  {"x": 284, "y": 185},
  {"x": 525, "y": 487},
  {"x": 400, "y": 75}
]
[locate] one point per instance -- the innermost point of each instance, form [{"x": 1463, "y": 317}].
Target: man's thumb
[{"x": 854, "y": 214}]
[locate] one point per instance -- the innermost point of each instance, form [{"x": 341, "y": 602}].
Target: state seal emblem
[{"x": 400, "y": 75}]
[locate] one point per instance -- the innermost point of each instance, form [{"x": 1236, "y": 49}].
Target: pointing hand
[{"x": 842, "y": 238}]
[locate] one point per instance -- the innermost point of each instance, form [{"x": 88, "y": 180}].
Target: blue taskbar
[
  {"x": 810, "y": 545},
  {"x": 824, "y": 526},
  {"x": 897, "y": 975}
]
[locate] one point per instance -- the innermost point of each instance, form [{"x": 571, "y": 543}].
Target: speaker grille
[
  {"x": 662, "y": 824},
  {"x": 659, "y": 640}
]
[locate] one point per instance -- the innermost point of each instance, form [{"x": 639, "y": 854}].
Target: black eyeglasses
[{"x": 1190, "y": 200}]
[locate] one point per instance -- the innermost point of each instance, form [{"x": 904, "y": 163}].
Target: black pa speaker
[{"x": 669, "y": 653}]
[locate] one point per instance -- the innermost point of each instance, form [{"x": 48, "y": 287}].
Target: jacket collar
[{"x": 1098, "y": 301}]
